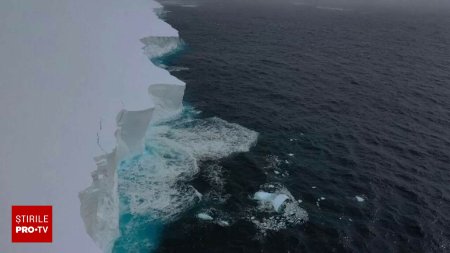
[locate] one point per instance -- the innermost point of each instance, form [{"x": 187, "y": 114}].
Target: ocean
[{"x": 351, "y": 107}]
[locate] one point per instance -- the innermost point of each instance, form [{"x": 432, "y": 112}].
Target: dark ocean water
[{"x": 347, "y": 102}]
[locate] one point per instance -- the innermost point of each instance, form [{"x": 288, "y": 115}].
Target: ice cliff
[
  {"x": 100, "y": 201},
  {"x": 78, "y": 92}
]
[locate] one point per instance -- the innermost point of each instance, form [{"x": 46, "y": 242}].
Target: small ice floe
[
  {"x": 204, "y": 216},
  {"x": 223, "y": 223},
  {"x": 359, "y": 198}
]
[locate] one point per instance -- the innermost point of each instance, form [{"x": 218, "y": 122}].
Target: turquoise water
[
  {"x": 140, "y": 232},
  {"x": 155, "y": 188}
]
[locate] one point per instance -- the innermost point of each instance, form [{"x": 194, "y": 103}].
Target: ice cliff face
[{"x": 100, "y": 201}]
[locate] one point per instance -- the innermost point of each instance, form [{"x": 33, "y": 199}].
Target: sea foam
[{"x": 156, "y": 184}]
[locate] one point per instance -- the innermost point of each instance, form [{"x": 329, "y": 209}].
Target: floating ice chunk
[
  {"x": 359, "y": 198},
  {"x": 278, "y": 201},
  {"x": 223, "y": 223},
  {"x": 270, "y": 203},
  {"x": 204, "y": 216}
]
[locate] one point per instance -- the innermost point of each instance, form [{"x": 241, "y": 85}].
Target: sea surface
[{"x": 352, "y": 111}]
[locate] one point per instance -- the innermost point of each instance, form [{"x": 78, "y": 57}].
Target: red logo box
[{"x": 31, "y": 224}]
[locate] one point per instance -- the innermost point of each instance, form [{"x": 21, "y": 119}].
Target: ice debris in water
[
  {"x": 215, "y": 216},
  {"x": 318, "y": 201},
  {"x": 273, "y": 162},
  {"x": 359, "y": 198},
  {"x": 223, "y": 223},
  {"x": 204, "y": 216},
  {"x": 277, "y": 209}
]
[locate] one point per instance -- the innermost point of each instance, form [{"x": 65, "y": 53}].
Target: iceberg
[
  {"x": 77, "y": 91},
  {"x": 359, "y": 198}
]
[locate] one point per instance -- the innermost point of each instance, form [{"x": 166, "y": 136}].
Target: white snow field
[{"x": 74, "y": 95}]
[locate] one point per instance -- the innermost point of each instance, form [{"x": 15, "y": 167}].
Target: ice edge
[{"x": 100, "y": 202}]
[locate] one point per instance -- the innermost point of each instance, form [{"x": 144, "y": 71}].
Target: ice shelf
[{"x": 77, "y": 92}]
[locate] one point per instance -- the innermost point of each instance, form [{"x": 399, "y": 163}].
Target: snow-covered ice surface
[{"x": 73, "y": 77}]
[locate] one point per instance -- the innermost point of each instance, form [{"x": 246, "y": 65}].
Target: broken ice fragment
[{"x": 204, "y": 216}]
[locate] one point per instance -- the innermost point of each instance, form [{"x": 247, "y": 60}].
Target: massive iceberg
[
  {"x": 76, "y": 85},
  {"x": 100, "y": 201}
]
